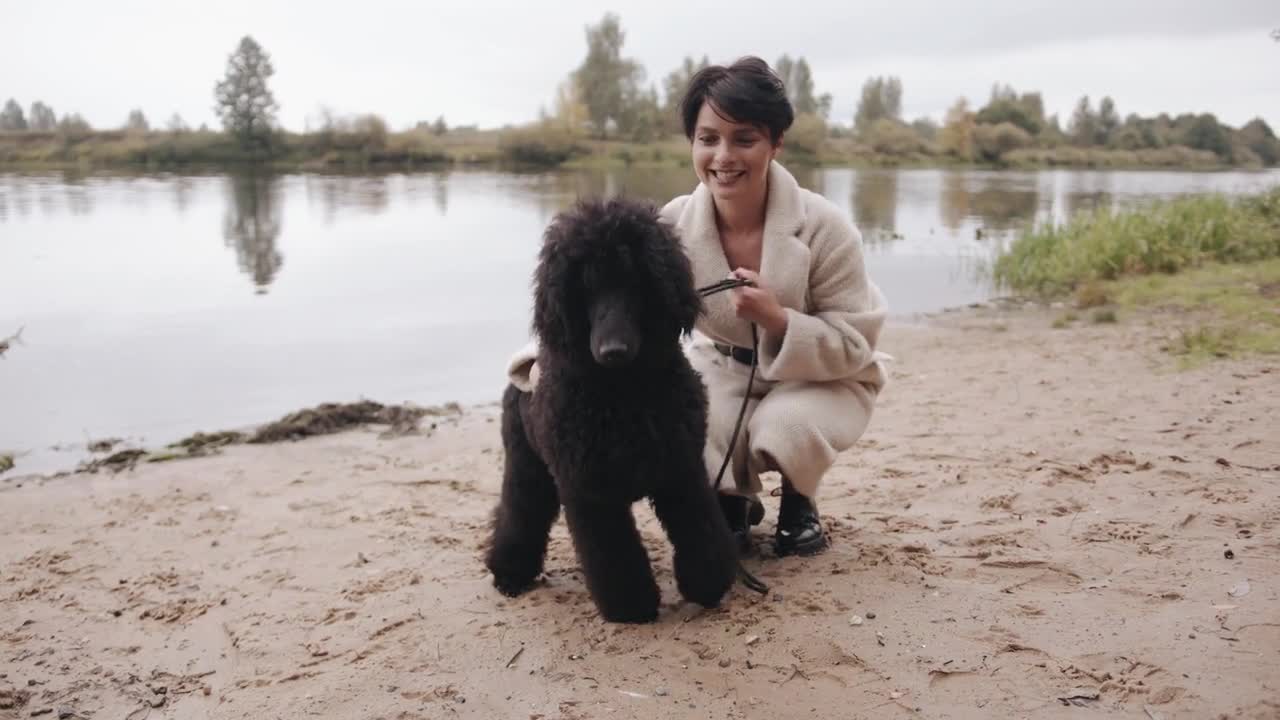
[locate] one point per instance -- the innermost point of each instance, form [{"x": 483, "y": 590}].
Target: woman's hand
[{"x": 758, "y": 303}]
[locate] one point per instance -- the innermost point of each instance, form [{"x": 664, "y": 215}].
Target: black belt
[{"x": 742, "y": 355}]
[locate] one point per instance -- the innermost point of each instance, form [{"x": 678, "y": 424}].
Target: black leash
[{"x": 750, "y": 581}]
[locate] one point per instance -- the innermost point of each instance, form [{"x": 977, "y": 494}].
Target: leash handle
[{"x": 726, "y": 284}]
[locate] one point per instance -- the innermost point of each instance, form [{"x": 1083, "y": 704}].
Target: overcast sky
[{"x": 492, "y": 62}]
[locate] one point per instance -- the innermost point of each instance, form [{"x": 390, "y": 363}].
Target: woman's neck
[{"x": 745, "y": 216}]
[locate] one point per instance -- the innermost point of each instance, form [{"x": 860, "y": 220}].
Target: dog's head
[{"x": 612, "y": 284}]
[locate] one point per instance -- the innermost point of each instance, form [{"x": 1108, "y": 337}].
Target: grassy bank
[
  {"x": 1214, "y": 311},
  {"x": 538, "y": 146},
  {"x": 1208, "y": 267},
  {"x": 1164, "y": 237}
]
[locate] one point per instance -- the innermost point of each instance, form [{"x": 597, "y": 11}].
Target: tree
[
  {"x": 606, "y": 81},
  {"x": 1108, "y": 121},
  {"x": 137, "y": 122},
  {"x": 439, "y": 127},
  {"x": 798, "y": 80},
  {"x": 674, "y": 86},
  {"x": 881, "y": 98},
  {"x": 11, "y": 118},
  {"x": 925, "y": 128},
  {"x": 1258, "y": 136},
  {"x": 641, "y": 118},
  {"x": 956, "y": 135},
  {"x": 1005, "y": 105},
  {"x": 570, "y": 112},
  {"x": 1084, "y": 124},
  {"x": 41, "y": 117},
  {"x": 1206, "y": 133},
  {"x": 177, "y": 125},
  {"x": 73, "y": 124},
  {"x": 1051, "y": 134},
  {"x": 244, "y": 102}
]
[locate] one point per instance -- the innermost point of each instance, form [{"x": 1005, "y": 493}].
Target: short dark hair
[{"x": 748, "y": 91}]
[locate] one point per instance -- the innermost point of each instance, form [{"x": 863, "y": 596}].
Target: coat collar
[{"x": 784, "y": 263}]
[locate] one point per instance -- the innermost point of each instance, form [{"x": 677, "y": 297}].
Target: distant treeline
[{"x": 604, "y": 112}]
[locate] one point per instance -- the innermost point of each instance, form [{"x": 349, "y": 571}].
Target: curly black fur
[{"x": 618, "y": 415}]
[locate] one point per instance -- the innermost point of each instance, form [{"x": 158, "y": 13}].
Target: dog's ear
[
  {"x": 673, "y": 273},
  {"x": 554, "y": 292}
]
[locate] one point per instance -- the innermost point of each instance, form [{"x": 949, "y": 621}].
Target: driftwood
[{"x": 14, "y": 339}]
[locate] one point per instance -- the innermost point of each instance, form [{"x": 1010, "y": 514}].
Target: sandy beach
[{"x": 1039, "y": 523}]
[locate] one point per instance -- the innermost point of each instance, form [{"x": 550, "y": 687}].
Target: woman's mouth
[{"x": 727, "y": 177}]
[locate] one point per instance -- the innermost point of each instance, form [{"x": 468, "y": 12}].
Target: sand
[{"x": 1039, "y": 523}]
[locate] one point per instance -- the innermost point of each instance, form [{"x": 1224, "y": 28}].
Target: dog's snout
[{"x": 615, "y": 353}]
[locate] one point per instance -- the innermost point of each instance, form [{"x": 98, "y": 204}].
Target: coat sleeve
[{"x": 837, "y": 337}]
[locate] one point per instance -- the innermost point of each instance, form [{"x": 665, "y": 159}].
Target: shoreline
[{"x": 78, "y": 456}]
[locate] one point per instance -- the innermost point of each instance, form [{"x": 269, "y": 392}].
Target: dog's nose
[{"x": 613, "y": 354}]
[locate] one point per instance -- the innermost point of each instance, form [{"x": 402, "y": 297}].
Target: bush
[
  {"x": 893, "y": 138},
  {"x": 807, "y": 134},
  {"x": 993, "y": 141},
  {"x": 539, "y": 145}
]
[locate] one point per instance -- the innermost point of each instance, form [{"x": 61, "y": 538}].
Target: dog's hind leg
[
  {"x": 529, "y": 506},
  {"x": 706, "y": 560},
  {"x": 613, "y": 560}
]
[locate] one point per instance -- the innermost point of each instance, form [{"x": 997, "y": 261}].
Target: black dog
[{"x": 618, "y": 415}]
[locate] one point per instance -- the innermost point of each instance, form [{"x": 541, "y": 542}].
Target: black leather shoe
[
  {"x": 799, "y": 528},
  {"x": 741, "y": 513}
]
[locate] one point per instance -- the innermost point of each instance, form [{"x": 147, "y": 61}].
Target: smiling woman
[{"x": 818, "y": 312}]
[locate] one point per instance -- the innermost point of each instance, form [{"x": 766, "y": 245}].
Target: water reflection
[
  {"x": 1003, "y": 206},
  {"x": 440, "y": 192},
  {"x": 1082, "y": 201},
  {"x": 998, "y": 202},
  {"x": 875, "y": 204},
  {"x": 79, "y": 194},
  {"x": 182, "y": 190},
  {"x": 252, "y": 225},
  {"x": 339, "y": 193}
]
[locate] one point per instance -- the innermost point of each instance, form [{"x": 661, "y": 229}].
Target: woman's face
[{"x": 731, "y": 159}]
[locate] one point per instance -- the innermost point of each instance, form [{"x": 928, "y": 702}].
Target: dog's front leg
[
  {"x": 613, "y": 560},
  {"x": 529, "y": 506},
  {"x": 706, "y": 561}
]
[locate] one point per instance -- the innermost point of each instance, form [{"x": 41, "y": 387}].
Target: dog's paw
[
  {"x": 514, "y": 572},
  {"x": 705, "y": 577},
  {"x": 513, "y": 586},
  {"x": 635, "y": 615}
]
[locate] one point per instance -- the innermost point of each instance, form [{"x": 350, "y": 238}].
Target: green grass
[
  {"x": 1213, "y": 311},
  {"x": 1164, "y": 237}
]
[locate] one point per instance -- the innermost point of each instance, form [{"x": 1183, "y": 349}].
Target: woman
[{"x": 817, "y": 312}]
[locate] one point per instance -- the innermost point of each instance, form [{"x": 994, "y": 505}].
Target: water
[{"x": 156, "y": 306}]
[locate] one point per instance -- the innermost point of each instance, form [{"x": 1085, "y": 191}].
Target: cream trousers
[{"x": 793, "y": 428}]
